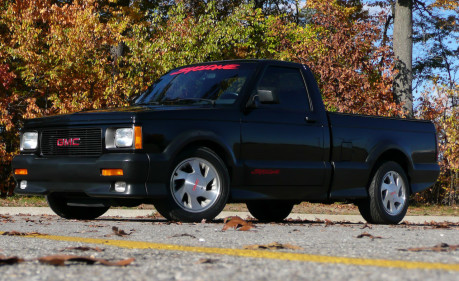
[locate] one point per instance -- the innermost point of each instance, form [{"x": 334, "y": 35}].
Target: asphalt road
[{"x": 321, "y": 250}]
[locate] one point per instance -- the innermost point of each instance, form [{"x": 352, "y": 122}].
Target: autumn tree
[
  {"x": 6, "y": 126},
  {"x": 60, "y": 55},
  {"x": 439, "y": 104},
  {"x": 436, "y": 36},
  {"x": 354, "y": 73}
]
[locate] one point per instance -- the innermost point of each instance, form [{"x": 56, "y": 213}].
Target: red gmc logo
[{"x": 68, "y": 142}]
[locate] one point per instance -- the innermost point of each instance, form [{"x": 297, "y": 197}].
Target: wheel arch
[
  {"x": 215, "y": 147},
  {"x": 202, "y": 139},
  {"x": 396, "y": 155}
]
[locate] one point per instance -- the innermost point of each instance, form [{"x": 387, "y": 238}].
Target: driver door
[{"x": 281, "y": 146}]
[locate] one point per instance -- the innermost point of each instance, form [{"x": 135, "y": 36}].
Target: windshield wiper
[
  {"x": 194, "y": 100},
  {"x": 149, "y": 103}
]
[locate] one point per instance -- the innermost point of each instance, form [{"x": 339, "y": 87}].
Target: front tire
[
  {"x": 389, "y": 193},
  {"x": 59, "y": 205},
  {"x": 198, "y": 187},
  {"x": 270, "y": 210},
  {"x": 364, "y": 209}
]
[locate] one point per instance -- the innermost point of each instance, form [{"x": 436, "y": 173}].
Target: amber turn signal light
[
  {"x": 20, "y": 172},
  {"x": 138, "y": 137},
  {"x": 112, "y": 172}
]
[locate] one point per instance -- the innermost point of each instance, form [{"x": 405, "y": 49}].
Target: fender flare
[
  {"x": 389, "y": 146},
  {"x": 194, "y": 136}
]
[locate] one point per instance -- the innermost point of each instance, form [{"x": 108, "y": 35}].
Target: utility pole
[{"x": 403, "y": 52}]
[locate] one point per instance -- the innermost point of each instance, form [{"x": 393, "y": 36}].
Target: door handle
[{"x": 310, "y": 120}]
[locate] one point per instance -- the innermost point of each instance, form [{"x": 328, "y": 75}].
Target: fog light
[
  {"x": 23, "y": 185},
  {"x": 120, "y": 186}
]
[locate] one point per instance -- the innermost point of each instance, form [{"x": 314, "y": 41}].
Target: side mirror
[
  {"x": 262, "y": 97},
  {"x": 266, "y": 96}
]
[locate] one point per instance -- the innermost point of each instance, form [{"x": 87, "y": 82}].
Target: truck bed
[{"x": 358, "y": 141}]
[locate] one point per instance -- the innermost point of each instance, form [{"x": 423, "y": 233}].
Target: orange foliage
[
  {"x": 354, "y": 74},
  {"x": 436, "y": 105}
]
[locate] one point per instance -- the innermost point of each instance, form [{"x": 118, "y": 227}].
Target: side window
[{"x": 287, "y": 87}]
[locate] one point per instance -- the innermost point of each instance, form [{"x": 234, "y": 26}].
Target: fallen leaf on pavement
[
  {"x": 120, "y": 232},
  {"x": 246, "y": 227},
  {"x": 10, "y": 260},
  {"x": 428, "y": 225},
  {"x": 205, "y": 260},
  {"x": 443, "y": 247},
  {"x": 434, "y": 224},
  {"x": 366, "y": 234},
  {"x": 272, "y": 246},
  {"x": 366, "y": 225},
  {"x": 17, "y": 233},
  {"x": 182, "y": 235},
  {"x": 14, "y": 233},
  {"x": 6, "y": 219},
  {"x": 60, "y": 260},
  {"x": 328, "y": 223},
  {"x": 96, "y": 225},
  {"x": 82, "y": 248},
  {"x": 236, "y": 223}
]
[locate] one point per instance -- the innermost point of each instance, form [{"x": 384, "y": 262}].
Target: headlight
[
  {"x": 29, "y": 141},
  {"x": 124, "y": 137}
]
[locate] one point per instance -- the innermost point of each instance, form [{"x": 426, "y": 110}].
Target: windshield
[{"x": 213, "y": 83}]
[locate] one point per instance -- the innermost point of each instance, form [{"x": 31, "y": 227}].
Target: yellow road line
[{"x": 253, "y": 253}]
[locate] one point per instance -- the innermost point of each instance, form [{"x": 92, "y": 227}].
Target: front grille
[{"x": 71, "y": 142}]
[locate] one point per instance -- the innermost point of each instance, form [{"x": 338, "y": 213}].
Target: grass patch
[
  {"x": 433, "y": 210},
  {"x": 23, "y": 201}
]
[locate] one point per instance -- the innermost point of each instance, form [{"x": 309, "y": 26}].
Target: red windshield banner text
[{"x": 206, "y": 67}]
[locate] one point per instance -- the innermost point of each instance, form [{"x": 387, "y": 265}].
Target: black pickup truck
[{"x": 252, "y": 131}]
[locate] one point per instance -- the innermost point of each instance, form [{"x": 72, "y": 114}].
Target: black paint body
[{"x": 271, "y": 153}]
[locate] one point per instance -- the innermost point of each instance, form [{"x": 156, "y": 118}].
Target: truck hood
[{"x": 120, "y": 115}]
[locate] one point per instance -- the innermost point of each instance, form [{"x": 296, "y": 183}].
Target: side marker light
[
  {"x": 112, "y": 172},
  {"x": 138, "y": 137},
  {"x": 22, "y": 172}
]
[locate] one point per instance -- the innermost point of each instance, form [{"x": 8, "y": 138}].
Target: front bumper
[{"x": 83, "y": 175}]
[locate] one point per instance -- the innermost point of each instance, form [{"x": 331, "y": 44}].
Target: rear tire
[
  {"x": 389, "y": 193},
  {"x": 58, "y": 204},
  {"x": 270, "y": 210}
]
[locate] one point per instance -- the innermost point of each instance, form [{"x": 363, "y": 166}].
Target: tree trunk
[{"x": 403, "y": 51}]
